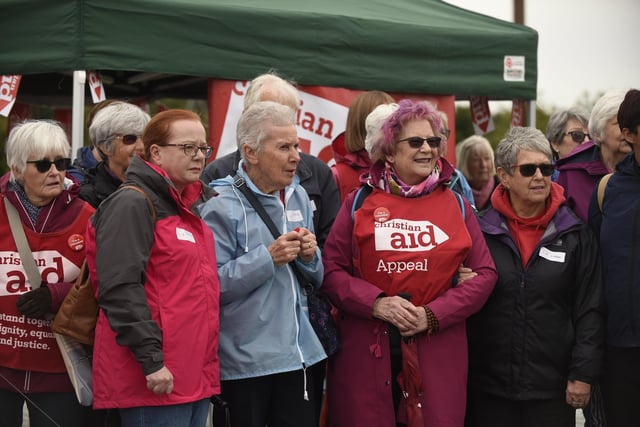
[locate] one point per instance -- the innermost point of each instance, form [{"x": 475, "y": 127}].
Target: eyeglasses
[
  {"x": 128, "y": 139},
  {"x": 529, "y": 169},
  {"x": 417, "y": 142},
  {"x": 578, "y": 136},
  {"x": 45, "y": 164},
  {"x": 192, "y": 149}
]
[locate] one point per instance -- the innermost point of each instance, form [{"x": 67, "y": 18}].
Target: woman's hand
[
  {"x": 308, "y": 244},
  {"x": 401, "y": 314},
  {"x": 577, "y": 394},
  {"x": 465, "y": 273},
  {"x": 161, "y": 381},
  {"x": 285, "y": 248}
]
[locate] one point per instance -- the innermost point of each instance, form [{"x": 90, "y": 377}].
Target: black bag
[
  {"x": 317, "y": 302},
  {"x": 322, "y": 321}
]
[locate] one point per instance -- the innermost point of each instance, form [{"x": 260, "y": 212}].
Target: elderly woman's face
[
  {"x": 124, "y": 148},
  {"x": 274, "y": 167},
  {"x": 479, "y": 167},
  {"x": 42, "y": 187},
  {"x": 413, "y": 165},
  {"x": 613, "y": 141},
  {"x": 528, "y": 193},
  {"x": 567, "y": 144}
]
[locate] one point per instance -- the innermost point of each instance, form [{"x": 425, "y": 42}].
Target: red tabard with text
[
  {"x": 411, "y": 245},
  {"x": 26, "y": 343}
]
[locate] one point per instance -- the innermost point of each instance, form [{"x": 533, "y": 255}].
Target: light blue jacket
[{"x": 264, "y": 321}]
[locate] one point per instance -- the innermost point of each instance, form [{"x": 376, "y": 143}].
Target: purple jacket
[
  {"x": 359, "y": 375},
  {"x": 580, "y": 171}
]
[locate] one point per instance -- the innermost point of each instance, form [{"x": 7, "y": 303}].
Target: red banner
[
  {"x": 481, "y": 115},
  {"x": 8, "y": 92},
  {"x": 517, "y": 113},
  {"x": 95, "y": 86},
  {"x": 322, "y": 115}
]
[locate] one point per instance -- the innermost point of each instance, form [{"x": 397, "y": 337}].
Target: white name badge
[
  {"x": 552, "y": 256},
  {"x": 294, "y": 215},
  {"x": 186, "y": 235}
]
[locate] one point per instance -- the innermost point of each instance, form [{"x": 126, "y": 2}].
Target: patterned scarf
[
  {"x": 32, "y": 211},
  {"x": 389, "y": 181}
]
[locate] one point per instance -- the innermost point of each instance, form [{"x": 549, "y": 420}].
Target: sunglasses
[
  {"x": 417, "y": 142},
  {"x": 191, "y": 149},
  {"x": 128, "y": 139},
  {"x": 45, "y": 164},
  {"x": 578, "y": 136},
  {"x": 529, "y": 169}
]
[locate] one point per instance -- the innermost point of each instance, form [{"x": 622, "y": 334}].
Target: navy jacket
[{"x": 618, "y": 228}]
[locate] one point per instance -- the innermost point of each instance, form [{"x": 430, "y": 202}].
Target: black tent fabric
[{"x": 412, "y": 46}]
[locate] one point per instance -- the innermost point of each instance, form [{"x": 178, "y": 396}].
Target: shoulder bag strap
[
  {"x": 241, "y": 185},
  {"x": 20, "y": 237},
  {"x": 146, "y": 196}
]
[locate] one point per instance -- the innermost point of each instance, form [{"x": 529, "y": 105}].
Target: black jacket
[
  {"x": 315, "y": 177},
  {"x": 98, "y": 184},
  {"x": 543, "y": 324}
]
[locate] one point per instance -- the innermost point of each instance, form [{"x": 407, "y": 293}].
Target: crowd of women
[{"x": 504, "y": 293}]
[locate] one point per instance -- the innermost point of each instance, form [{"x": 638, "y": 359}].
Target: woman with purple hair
[{"x": 391, "y": 262}]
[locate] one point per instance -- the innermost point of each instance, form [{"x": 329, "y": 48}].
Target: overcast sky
[{"x": 583, "y": 46}]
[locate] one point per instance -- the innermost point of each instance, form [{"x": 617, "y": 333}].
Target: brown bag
[{"x": 78, "y": 313}]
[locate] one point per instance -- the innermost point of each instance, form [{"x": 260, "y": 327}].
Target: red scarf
[{"x": 527, "y": 232}]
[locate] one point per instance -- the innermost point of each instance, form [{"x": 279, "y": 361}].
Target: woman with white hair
[
  {"x": 475, "y": 161},
  {"x": 582, "y": 169},
  {"x": 267, "y": 343},
  {"x": 54, "y": 220}
]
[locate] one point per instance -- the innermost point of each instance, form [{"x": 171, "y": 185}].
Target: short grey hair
[
  {"x": 604, "y": 109},
  {"x": 118, "y": 118},
  {"x": 36, "y": 139},
  {"x": 281, "y": 90},
  {"x": 520, "y": 139},
  {"x": 256, "y": 122},
  {"x": 473, "y": 144},
  {"x": 558, "y": 120}
]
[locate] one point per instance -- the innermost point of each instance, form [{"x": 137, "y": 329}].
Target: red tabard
[
  {"x": 25, "y": 343},
  {"x": 411, "y": 245}
]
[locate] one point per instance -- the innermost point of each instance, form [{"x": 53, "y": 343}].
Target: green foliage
[{"x": 501, "y": 121}]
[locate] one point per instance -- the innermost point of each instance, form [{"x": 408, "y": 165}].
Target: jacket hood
[
  {"x": 357, "y": 160},
  {"x": 501, "y": 203}
]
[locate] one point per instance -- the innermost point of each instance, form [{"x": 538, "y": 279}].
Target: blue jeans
[{"x": 193, "y": 414}]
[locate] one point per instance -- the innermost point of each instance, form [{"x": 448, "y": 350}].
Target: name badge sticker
[
  {"x": 294, "y": 215},
  {"x": 552, "y": 256},
  {"x": 185, "y": 235}
]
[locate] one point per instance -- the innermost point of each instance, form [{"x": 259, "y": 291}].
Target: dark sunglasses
[
  {"x": 417, "y": 142},
  {"x": 128, "y": 139},
  {"x": 45, "y": 164},
  {"x": 578, "y": 136},
  {"x": 529, "y": 169}
]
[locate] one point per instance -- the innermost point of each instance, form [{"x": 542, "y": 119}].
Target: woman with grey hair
[
  {"x": 566, "y": 130},
  {"x": 535, "y": 347},
  {"x": 267, "y": 343},
  {"x": 115, "y": 133},
  {"x": 475, "y": 161},
  {"x": 582, "y": 169},
  {"x": 54, "y": 220}
]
